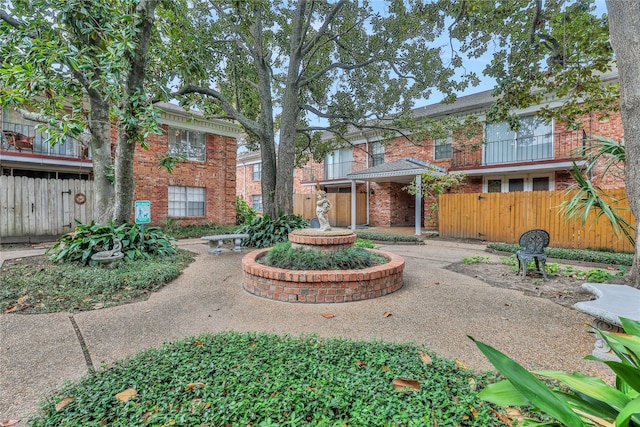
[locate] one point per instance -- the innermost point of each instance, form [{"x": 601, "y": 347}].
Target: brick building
[
  {"x": 539, "y": 157},
  {"x": 200, "y": 189}
]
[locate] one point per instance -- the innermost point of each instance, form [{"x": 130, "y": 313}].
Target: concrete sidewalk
[{"x": 436, "y": 307}]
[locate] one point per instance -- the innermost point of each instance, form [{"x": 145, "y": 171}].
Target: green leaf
[
  {"x": 530, "y": 387},
  {"x": 503, "y": 393},
  {"x": 631, "y": 409}
]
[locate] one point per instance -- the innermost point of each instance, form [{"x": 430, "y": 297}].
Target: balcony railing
[
  {"x": 562, "y": 146},
  {"x": 331, "y": 171},
  {"x": 40, "y": 145}
]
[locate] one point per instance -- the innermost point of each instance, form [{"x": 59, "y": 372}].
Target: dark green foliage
[
  {"x": 616, "y": 258},
  {"x": 264, "y": 231},
  {"x": 87, "y": 239},
  {"x": 364, "y": 243},
  {"x": 49, "y": 288},
  {"x": 244, "y": 212},
  {"x": 241, "y": 379},
  {"x": 176, "y": 231},
  {"x": 283, "y": 255},
  {"x": 383, "y": 237}
]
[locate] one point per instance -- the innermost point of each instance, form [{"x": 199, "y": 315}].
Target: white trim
[
  {"x": 521, "y": 168},
  {"x": 46, "y": 161}
]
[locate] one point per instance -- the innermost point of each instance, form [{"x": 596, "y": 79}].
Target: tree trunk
[
  {"x": 128, "y": 130},
  {"x": 100, "y": 125},
  {"x": 624, "y": 29}
]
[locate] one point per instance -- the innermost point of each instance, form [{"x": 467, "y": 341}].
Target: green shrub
[
  {"x": 244, "y": 212},
  {"x": 383, "y": 237},
  {"x": 283, "y": 255},
  {"x": 616, "y": 258},
  {"x": 583, "y": 400},
  {"x": 260, "y": 380},
  {"x": 87, "y": 239},
  {"x": 364, "y": 243},
  {"x": 264, "y": 231},
  {"x": 199, "y": 230}
]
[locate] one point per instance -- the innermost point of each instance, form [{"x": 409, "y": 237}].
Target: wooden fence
[
  {"x": 503, "y": 217},
  {"x": 339, "y": 215},
  {"x": 33, "y": 207}
]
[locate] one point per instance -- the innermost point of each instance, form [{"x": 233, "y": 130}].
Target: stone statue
[{"x": 323, "y": 206}]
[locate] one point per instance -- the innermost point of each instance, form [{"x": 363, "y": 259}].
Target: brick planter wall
[{"x": 322, "y": 286}]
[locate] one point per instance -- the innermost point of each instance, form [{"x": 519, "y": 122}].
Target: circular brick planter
[
  {"x": 313, "y": 238},
  {"x": 321, "y": 286}
]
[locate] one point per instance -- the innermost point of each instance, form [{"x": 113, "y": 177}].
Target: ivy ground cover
[{"x": 247, "y": 379}]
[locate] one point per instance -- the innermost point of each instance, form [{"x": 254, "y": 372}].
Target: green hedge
[
  {"x": 384, "y": 237},
  {"x": 616, "y": 258}
]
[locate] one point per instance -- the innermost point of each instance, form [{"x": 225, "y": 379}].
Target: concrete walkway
[{"x": 436, "y": 307}]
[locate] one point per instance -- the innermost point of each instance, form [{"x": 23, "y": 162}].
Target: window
[
  {"x": 186, "y": 201},
  {"x": 257, "y": 171},
  {"x": 188, "y": 143},
  {"x": 534, "y": 141},
  {"x": 509, "y": 183},
  {"x": 377, "y": 153},
  {"x": 338, "y": 164},
  {"x": 256, "y": 202},
  {"x": 442, "y": 148}
]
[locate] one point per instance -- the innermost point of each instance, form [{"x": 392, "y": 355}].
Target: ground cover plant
[
  {"x": 596, "y": 275},
  {"x": 249, "y": 379},
  {"x": 384, "y": 237},
  {"x": 283, "y": 255},
  {"x": 175, "y": 230},
  {"x": 40, "y": 286}
]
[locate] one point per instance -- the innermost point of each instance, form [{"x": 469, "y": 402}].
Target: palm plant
[{"x": 587, "y": 197}]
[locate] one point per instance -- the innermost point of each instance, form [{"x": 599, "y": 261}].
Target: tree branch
[{"x": 323, "y": 28}]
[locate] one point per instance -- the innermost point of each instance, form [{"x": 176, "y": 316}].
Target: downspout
[
  {"x": 418, "y": 207},
  {"x": 367, "y": 182}
]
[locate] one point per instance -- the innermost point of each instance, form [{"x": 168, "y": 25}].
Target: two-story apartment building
[
  {"x": 200, "y": 189},
  {"x": 493, "y": 158}
]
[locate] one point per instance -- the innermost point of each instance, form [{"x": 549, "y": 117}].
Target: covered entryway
[{"x": 389, "y": 201}]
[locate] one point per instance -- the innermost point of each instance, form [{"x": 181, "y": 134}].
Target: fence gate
[
  {"x": 339, "y": 215},
  {"x": 33, "y": 208}
]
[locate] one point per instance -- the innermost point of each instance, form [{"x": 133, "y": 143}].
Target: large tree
[
  {"x": 305, "y": 67},
  {"x": 78, "y": 66}
]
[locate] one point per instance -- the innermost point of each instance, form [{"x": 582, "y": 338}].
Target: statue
[{"x": 323, "y": 206}]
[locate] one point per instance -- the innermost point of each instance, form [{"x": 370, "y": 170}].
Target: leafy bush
[
  {"x": 264, "y": 231},
  {"x": 244, "y": 212},
  {"x": 583, "y": 400},
  {"x": 47, "y": 288},
  {"x": 87, "y": 239},
  {"x": 283, "y": 255},
  {"x": 617, "y": 258},
  {"x": 251, "y": 379},
  {"x": 383, "y": 237},
  {"x": 199, "y": 230},
  {"x": 364, "y": 243}
]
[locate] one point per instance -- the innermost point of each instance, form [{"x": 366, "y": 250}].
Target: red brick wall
[
  {"x": 246, "y": 186},
  {"x": 216, "y": 175}
]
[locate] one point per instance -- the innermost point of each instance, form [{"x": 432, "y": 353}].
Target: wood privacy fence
[
  {"x": 503, "y": 217},
  {"x": 32, "y": 207},
  {"x": 339, "y": 215}
]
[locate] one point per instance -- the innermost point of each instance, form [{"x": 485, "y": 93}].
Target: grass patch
[
  {"x": 282, "y": 255},
  {"x": 616, "y": 258},
  {"x": 384, "y": 237},
  {"x": 46, "y": 287},
  {"x": 249, "y": 379}
]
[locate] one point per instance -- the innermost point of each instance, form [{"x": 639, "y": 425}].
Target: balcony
[
  {"x": 330, "y": 171},
  {"x": 22, "y": 138},
  {"x": 561, "y": 146}
]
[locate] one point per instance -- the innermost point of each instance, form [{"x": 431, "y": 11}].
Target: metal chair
[{"x": 532, "y": 244}]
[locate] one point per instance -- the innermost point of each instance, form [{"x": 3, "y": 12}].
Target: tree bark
[
  {"x": 100, "y": 125},
  {"x": 624, "y": 29},
  {"x": 128, "y": 130}
]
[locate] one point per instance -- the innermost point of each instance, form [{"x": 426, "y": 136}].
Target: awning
[{"x": 402, "y": 171}]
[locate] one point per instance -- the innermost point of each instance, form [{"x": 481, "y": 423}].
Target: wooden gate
[
  {"x": 339, "y": 215},
  {"x": 31, "y": 208},
  {"x": 503, "y": 217}
]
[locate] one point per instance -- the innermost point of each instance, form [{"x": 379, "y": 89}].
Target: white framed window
[
  {"x": 338, "y": 163},
  {"x": 533, "y": 141},
  {"x": 186, "y": 201},
  {"x": 256, "y": 202},
  {"x": 518, "y": 182},
  {"x": 187, "y": 143},
  {"x": 377, "y": 153},
  {"x": 256, "y": 171},
  {"x": 442, "y": 148}
]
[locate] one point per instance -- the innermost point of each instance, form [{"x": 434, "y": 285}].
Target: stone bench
[
  {"x": 216, "y": 242},
  {"x": 613, "y": 302}
]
